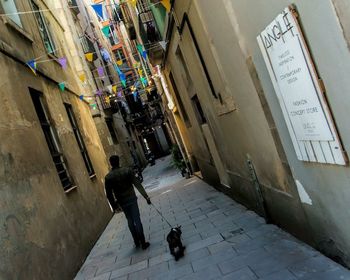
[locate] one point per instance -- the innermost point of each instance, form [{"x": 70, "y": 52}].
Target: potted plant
[{"x": 178, "y": 161}]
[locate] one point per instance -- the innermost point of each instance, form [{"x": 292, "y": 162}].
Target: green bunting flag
[
  {"x": 62, "y": 86},
  {"x": 139, "y": 48},
  {"x": 106, "y": 30}
]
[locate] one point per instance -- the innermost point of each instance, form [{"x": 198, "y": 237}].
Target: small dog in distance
[{"x": 175, "y": 244}]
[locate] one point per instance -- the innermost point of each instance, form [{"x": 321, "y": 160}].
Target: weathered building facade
[
  {"x": 233, "y": 126},
  {"x": 52, "y": 164}
]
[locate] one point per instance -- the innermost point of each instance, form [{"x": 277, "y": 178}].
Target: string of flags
[{"x": 98, "y": 8}]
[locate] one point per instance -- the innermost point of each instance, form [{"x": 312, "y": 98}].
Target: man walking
[{"x": 119, "y": 184}]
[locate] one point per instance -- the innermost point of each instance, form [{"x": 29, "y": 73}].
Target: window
[
  {"x": 80, "y": 140},
  {"x": 110, "y": 126},
  {"x": 179, "y": 101},
  {"x": 199, "y": 110},
  {"x": 51, "y": 139},
  {"x": 87, "y": 44},
  {"x": 185, "y": 72},
  {"x": 44, "y": 30},
  {"x": 119, "y": 55},
  {"x": 113, "y": 37},
  {"x": 10, "y": 8}
]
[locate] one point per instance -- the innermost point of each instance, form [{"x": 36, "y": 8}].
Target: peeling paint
[{"x": 304, "y": 197}]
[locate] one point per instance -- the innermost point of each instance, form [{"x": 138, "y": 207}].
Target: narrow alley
[
  {"x": 234, "y": 114},
  {"x": 223, "y": 239}
]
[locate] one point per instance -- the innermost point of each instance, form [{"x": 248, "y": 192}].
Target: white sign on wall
[{"x": 296, "y": 84}]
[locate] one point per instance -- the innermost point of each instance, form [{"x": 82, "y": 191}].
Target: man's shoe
[{"x": 145, "y": 245}]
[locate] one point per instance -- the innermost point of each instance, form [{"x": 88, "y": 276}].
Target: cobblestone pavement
[{"x": 223, "y": 240}]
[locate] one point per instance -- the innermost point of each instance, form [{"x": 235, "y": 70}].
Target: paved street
[{"x": 224, "y": 240}]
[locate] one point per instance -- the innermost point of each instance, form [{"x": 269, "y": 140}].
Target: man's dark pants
[{"x": 132, "y": 214}]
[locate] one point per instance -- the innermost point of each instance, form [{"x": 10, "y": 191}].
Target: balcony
[
  {"x": 73, "y": 6},
  {"x": 155, "y": 54}
]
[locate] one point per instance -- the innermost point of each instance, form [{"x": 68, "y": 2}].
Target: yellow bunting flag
[
  {"x": 114, "y": 88},
  {"x": 89, "y": 56},
  {"x": 119, "y": 62},
  {"x": 107, "y": 99},
  {"x": 82, "y": 78},
  {"x": 140, "y": 72},
  {"x": 133, "y": 3},
  {"x": 166, "y": 4}
]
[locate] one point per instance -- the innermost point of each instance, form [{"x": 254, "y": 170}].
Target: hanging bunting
[
  {"x": 123, "y": 83},
  {"x": 62, "y": 86},
  {"x": 144, "y": 81},
  {"x": 106, "y": 31},
  {"x": 107, "y": 99},
  {"x": 166, "y": 4},
  {"x": 109, "y": 88},
  {"x": 100, "y": 71},
  {"x": 32, "y": 65},
  {"x": 120, "y": 62},
  {"x": 133, "y": 3},
  {"x": 114, "y": 89},
  {"x": 144, "y": 54},
  {"x": 82, "y": 78},
  {"x": 89, "y": 56},
  {"x": 117, "y": 69},
  {"x": 98, "y": 8},
  {"x": 140, "y": 72},
  {"x": 122, "y": 77},
  {"x": 81, "y": 97},
  {"x": 93, "y": 106},
  {"x": 139, "y": 48},
  {"x": 99, "y": 92},
  {"x": 63, "y": 62}
]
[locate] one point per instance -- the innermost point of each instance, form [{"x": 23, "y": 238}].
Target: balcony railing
[{"x": 73, "y": 6}]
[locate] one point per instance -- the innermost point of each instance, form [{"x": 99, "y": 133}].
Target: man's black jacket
[{"x": 119, "y": 184}]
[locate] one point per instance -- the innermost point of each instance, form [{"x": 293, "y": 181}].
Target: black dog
[{"x": 175, "y": 244}]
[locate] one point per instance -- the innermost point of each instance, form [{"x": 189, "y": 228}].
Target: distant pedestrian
[{"x": 119, "y": 184}]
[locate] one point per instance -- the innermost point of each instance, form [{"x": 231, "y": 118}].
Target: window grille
[
  {"x": 44, "y": 30},
  {"x": 51, "y": 139},
  {"x": 80, "y": 140}
]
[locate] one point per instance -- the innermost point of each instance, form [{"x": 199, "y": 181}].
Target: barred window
[
  {"x": 44, "y": 30},
  {"x": 80, "y": 140},
  {"x": 51, "y": 139}
]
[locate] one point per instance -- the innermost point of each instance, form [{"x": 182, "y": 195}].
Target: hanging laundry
[
  {"x": 151, "y": 33},
  {"x": 105, "y": 55},
  {"x": 100, "y": 71}
]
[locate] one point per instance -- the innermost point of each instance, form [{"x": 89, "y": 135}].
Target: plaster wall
[
  {"x": 308, "y": 199},
  {"x": 45, "y": 233},
  {"x": 231, "y": 29}
]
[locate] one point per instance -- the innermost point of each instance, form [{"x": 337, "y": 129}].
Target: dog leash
[{"x": 162, "y": 216}]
